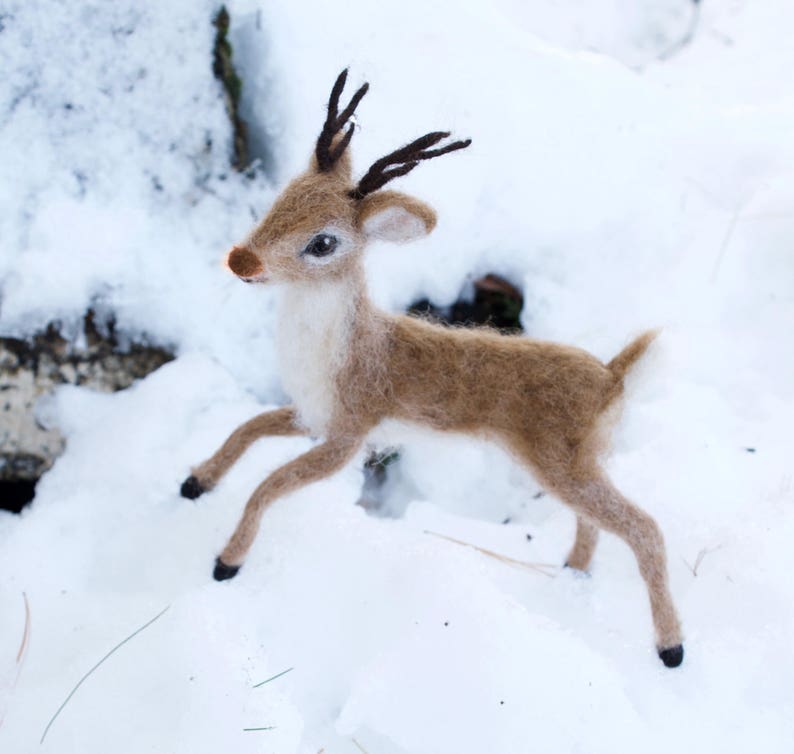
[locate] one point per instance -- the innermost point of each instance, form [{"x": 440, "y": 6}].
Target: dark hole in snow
[
  {"x": 15, "y": 494},
  {"x": 490, "y": 301}
]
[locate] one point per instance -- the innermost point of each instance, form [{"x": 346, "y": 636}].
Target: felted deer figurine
[{"x": 348, "y": 366}]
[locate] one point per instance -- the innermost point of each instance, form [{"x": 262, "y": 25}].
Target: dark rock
[
  {"x": 224, "y": 70},
  {"x": 33, "y": 367}
]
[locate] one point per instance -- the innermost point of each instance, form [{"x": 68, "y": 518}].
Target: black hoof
[
  {"x": 577, "y": 572},
  {"x": 673, "y": 656},
  {"x": 191, "y": 488},
  {"x": 223, "y": 572}
]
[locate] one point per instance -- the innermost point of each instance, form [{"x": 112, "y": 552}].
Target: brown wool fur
[{"x": 549, "y": 409}]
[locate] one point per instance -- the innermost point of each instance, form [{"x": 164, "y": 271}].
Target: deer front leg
[
  {"x": 206, "y": 475},
  {"x": 319, "y": 462}
]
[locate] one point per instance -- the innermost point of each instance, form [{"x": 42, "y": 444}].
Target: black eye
[{"x": 321, "y": 245}]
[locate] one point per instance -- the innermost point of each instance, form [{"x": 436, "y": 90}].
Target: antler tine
[
  {"x": 410, "y": 155},
  {"x": 334, "y": 122},
  {"x": 336, "y": 93},
  {"x": 342, "y": 145},
  {"x": 329, "y": 127},
  {"x": 351, "y": 108}
]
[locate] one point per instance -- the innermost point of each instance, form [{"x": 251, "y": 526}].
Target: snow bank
[
  {"x": 115, "y": 180},
  {"x": 621, "y": 197}
]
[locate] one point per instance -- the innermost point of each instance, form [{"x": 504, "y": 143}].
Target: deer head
[{"x": 320, "y": 223}]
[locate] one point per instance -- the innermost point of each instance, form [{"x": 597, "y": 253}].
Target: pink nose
[{"x": 244, "y": 263}]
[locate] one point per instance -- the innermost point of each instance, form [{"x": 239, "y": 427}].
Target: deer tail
[{"x": 621, "y": 364}]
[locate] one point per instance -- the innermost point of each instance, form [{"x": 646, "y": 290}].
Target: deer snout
[{"x": 245, "y": 264}]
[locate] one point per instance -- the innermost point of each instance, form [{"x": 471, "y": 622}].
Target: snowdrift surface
[{"x": 620, "y": 197}]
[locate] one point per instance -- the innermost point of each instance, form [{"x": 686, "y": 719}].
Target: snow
[{"x": 621, "y": 191}]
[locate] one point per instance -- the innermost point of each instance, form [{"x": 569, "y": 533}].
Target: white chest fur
[{"x": 312, "y": 341}]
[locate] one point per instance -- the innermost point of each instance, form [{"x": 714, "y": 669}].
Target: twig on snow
[
  {"x": 699, "y": 559},
  {"x": 273, "y": 678},
  {"x": 547, "y": 569},
  {"x": 725, "y": 241},
  {"x": 80, "y": 682},
  {"x": 22, "y": 650},
  {"x": 25, "y": 632}
]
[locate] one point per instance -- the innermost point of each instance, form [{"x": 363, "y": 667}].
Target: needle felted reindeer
[{"x": 348, "y": 366}]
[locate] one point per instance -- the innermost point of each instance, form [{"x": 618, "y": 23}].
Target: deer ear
[{"x": 392, "y": 216}]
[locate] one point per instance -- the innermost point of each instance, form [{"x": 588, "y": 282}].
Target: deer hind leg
[
  {"x": 206, "y": 475},
  {"x": 319, "y": 462},
  {"x": 591, "y": 494},
  {"x": 584, "y": 546}
]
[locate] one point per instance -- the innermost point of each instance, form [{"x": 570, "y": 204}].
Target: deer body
[{"x": 349, "y": 367}]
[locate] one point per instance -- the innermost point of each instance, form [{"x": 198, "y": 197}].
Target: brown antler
[
  {"x": 405, "y": 159},
  {"x": 334, "y": 122}
]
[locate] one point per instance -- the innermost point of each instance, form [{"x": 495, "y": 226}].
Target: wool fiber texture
[{"x": 349, "y": 366}]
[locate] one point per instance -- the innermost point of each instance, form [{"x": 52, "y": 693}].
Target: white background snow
[{"x": 624, "y": 183}]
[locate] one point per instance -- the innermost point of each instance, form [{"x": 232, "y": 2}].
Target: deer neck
[{"x": 317, "y": 330}]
